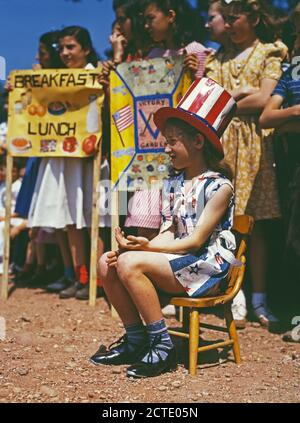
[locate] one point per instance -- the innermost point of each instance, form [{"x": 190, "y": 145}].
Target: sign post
[{"x": 8, "y": 186}]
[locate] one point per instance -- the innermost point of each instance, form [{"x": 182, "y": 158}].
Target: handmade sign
[
  {"x": 137, "y": 90},
  {"x": 54, "y": 113}
]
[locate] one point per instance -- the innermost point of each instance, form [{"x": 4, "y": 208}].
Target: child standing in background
[
  {"x": 48, "y": 58},
  {"x": 250, "y": 70},
  {"x": 216, "y": 24},
  {"x": 17, "y": 224},
  {"x": 283, "y": 113},
  {"x": 63, "y": 192},
  {"x": 174, "y": 26},
  {"x": 129, "y": 40}
]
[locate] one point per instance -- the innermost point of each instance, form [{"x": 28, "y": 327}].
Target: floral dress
[
  {"x": 249, "y": 149},
  {"x": 201, "y": 273}
]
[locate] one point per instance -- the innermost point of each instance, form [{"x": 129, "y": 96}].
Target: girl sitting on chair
[{"x": 194, "y": 249}]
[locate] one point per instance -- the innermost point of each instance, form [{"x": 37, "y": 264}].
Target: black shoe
[
  {"x": 71, "y": 291},
  {"x": 39, "y": 279},
  {"x": 143, "y": 369},
  {"x": 14, "y": 270},
  {"x": 114, "y": 356},
  {"x": 59, "y": 285},
  {"x": 22, "y": 277},
  {"x": 84, "y": 293}
]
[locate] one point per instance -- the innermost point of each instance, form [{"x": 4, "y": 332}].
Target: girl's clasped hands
[{"x": 130, "y": 243}]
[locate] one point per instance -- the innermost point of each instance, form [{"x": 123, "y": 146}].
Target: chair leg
[
  {"x": 193, "y": 341},
  {"x": 181, "y": 314},
  {"x": 232, "y": 332},
  {"x": 185, "y": 341}
]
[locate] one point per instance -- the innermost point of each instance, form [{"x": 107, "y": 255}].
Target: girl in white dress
[{"x": 64, "y": 187}]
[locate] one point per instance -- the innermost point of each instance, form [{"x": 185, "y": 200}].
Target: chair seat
[{"x": 198, "y": 302}]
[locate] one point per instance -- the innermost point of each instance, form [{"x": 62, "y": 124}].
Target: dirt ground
[{"x": 44, "y": 358}]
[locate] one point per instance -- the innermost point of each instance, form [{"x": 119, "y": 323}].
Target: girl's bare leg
[
  {"x": 102, "y": 241},
  {"x": 62, "y": 240},
  {"x": 141, "y": 272},
  {"x": 258, "y": 257},
  {"x": 31, "y": 253},
  {"x": 259, "y": 250},
  {"x": 131, "y": 285},
  {"x": 117, "y": 294},
  {"x": 77, "y": 243},
  {"x": 41, "y": 255}
]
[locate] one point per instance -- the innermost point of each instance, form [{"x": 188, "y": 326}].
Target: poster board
[
  {"x": 54, "y": 113},
  {"x": 137, "y": 90}
]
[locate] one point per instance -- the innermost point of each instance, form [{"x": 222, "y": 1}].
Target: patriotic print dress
[{"x": 200, "y": 273}]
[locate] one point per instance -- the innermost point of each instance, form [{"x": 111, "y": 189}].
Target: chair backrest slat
[{"x": 242, "y": 226}]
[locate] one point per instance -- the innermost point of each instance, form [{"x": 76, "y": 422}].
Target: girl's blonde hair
[
  {"x": 211, "y": 156},
  {"x": 255, "y": 10}
]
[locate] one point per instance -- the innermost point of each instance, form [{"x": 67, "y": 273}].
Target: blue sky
[{"x": 23, "y": 21}]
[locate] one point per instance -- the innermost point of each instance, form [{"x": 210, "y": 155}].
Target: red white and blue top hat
[{"x": 207, "y": 106}]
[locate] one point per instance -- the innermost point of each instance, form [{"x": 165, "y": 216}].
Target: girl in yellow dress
[{"x": 250, "y": 70}]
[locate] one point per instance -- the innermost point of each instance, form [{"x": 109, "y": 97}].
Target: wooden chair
[{"x": 191, "y": 306}]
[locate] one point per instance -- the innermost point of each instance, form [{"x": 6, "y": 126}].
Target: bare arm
[
  {"x": 2, "y": 218},
  {"x": 165, "y": 236},
  {"x": 118, "y": 42},
  {"x": 211, "y": 216},
  {"x": 191, "y": 63},
  {"x": 104, "y": 75},
  {"x": 112, "y": 257},
  {"x": 240, "y": 93},
  {"x": 274, "y": 117},
  {"x": 255, "y": 103}
]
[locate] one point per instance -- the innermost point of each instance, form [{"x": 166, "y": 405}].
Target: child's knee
[
  {"x": 128, "y": 264},
  {"x": 102, "y": 266}
]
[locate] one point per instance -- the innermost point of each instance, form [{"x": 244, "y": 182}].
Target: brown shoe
[{"x": 71, "y": 291}]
